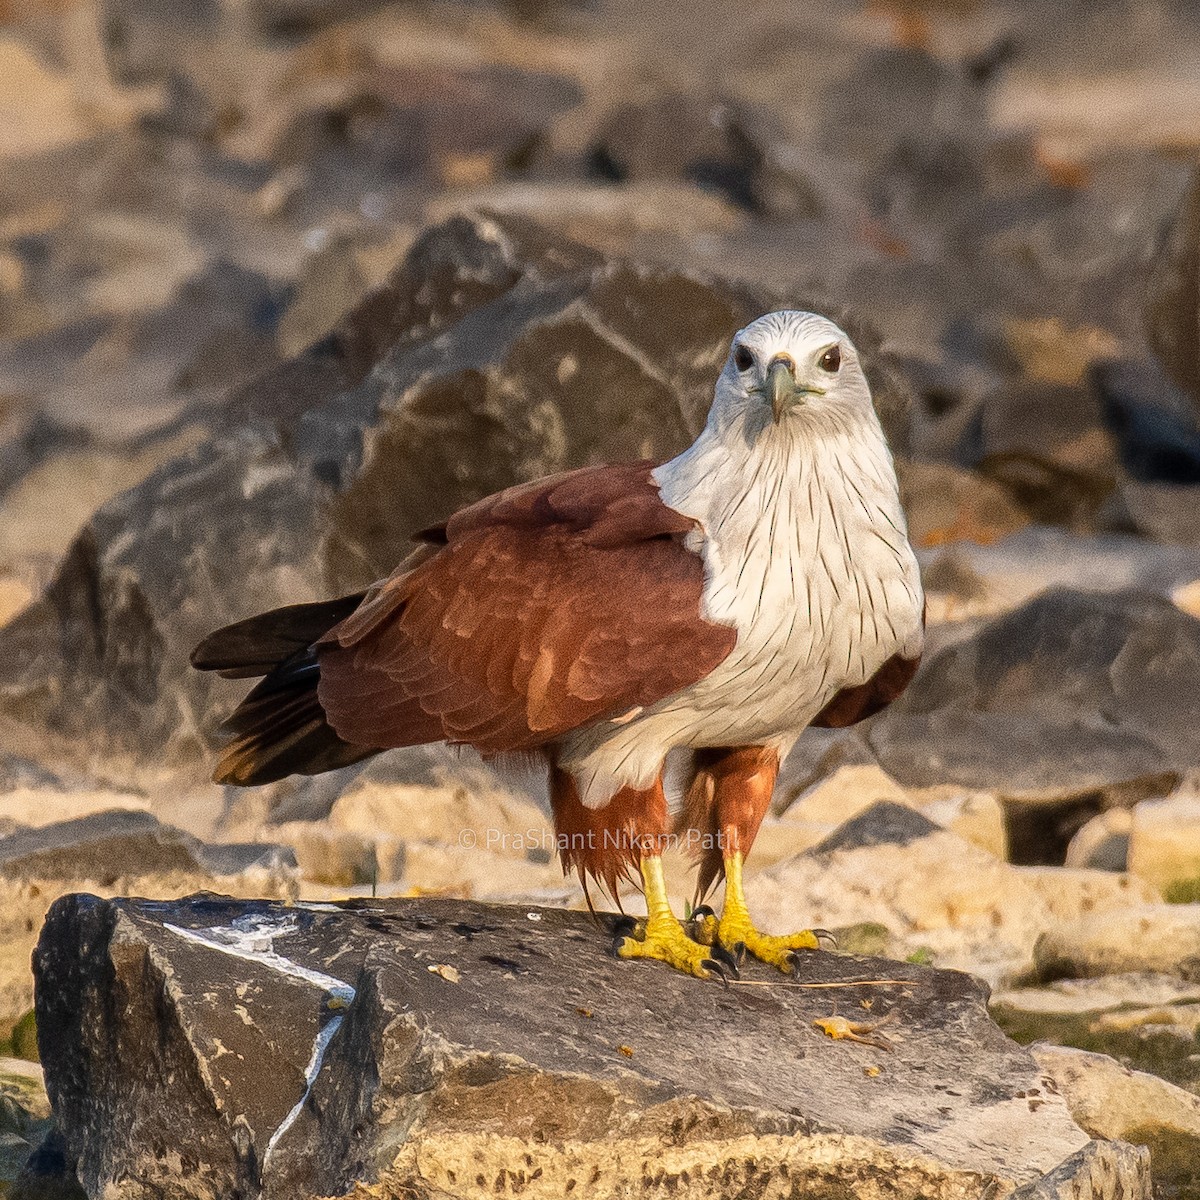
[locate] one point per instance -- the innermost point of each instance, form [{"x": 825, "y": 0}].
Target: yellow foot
[
  {"x": 735, "y": 933},
  {"x": 665, "y": 939}
]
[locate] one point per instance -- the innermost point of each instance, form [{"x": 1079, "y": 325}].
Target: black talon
[
  {"x": 703, "y": 911},
  {"x": 722, "y": 955},
  {"x": 615, "y": 948},
  {"x": 710, "y": 964},
  {"x": 824, "y": 935},
  {"x": 739, "y": 949},
  {"x": 794, "y": 959}
]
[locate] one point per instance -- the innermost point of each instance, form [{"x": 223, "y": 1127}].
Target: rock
[
  {"x": 495, "y": 821},
  {"x": 1163, "y": 938},
  {"x": 1157, "y": 433},
  {"x": 502, "y": 1046},
  {"x": 1164, "y": 843},
  {"x": 711, "y": 143},
  {"x": 331, "y": 282},
  {"x": 1101, "y": 1169},
  {"x": 837, "y": 797},
  {"x": 1144, "y": 1021},
  {"x": 45, "y": 510},
  {"x": 122, "y": 843},
  {"x": 818, "y": 810},
  {"x": 1102, "y": 842},
  {"x": 41, "y": 102},
  {"x": 1049, "y": 351},
  {"x": 1165, "y": 512},
  {"x": 1008, "y": 573},
  {"x": 1186, "y": 597},
  {"x": 1037, "y": 417},
  {"x": 323, "y": 468},
  {"x": 24, "y": 1117},
  {"x": 1172, "y": 313},
  {"x": 1072, "y": 694},
  {"x": 976, "y": 817},
  {"x": 887, "y": 866},
  {"x": 329, "y": 856},
  {"x": 1112, "y": 1102},
  {"x": 948, "y": 504},
  {"x": 1050, "y": 491},
  {"x": 113, "y": 853},
  {"x": 37, "y": 806}
]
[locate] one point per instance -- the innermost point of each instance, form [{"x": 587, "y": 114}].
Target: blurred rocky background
[{"x": 282, "y": 281}]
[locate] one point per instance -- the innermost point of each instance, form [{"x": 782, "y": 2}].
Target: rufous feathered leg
[
  {"x": 737, "y": 785},
  {"x": 605, "y": 843}
]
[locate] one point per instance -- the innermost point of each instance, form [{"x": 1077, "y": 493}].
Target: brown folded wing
[{"x": 529, "y": 614}]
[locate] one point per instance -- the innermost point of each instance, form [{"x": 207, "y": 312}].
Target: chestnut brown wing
[{"x": 544, "y": 608}]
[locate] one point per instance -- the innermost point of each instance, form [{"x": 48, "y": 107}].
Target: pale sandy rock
[
  {"x": 1164, "y": 840},
  {"x": 470, "y": 873},
  {"x": 936, "y": 893},
  {"x": 977, "y": 817},
  {"x": 1075, "y": 111},
  {"x": 1145, "y": 1021},
  {"x": 36, "y": 807},
  {"x": 844, "y": 794},
  {"x": 1143, "y": 937},
  {"x": 1053, "y": 352},
  {"x": 849, "y": 790},
  {"x": 779, "y": 839},
  {"x": 1074, "y": 892},
  {"x": 822, "y": 807},
  {"x": 1187, "y": 597},
  {"x": 44, "y": 511},
  {"x": 1103, "y": 842},
  {"x": 15, "y": 594},
  {"x": 326, "y": 855},
  {"x": 497, "y": 822},
  {"x": 1112, "y": 1101},
  {"x": 38, "y": 103},
  {"x": 1016, "y": 568}
]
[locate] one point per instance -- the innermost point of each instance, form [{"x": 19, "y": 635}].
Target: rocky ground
[{"x": 282, "y": 282}]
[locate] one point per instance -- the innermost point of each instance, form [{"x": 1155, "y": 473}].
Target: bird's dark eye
[
  {"x": 742, "y": 358},
  {"x": 831, "y": 360}
]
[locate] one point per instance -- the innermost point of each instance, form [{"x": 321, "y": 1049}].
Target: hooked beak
[{"x": 781, "y": 386}]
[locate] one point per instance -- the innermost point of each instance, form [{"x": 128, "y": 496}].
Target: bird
[{"x": 715, "y": 605}]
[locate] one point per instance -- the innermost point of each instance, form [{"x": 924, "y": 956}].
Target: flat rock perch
[{"x": 220, "y": 1048}]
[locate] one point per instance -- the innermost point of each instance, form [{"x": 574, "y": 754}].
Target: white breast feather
[{"x": 807, "y": 556}]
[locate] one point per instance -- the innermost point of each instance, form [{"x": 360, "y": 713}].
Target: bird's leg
[
  {"x": 736, "y": 932},
  {"x": 605, "y": 843},
  {"x": 665, "y": 938},
  {"x": 739, "y": 783}
]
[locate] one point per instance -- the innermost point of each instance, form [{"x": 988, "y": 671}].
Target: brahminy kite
[{"x": 718, "y": 604}]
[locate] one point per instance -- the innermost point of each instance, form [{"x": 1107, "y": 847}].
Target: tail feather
[
  {"x": 257, "y": 645},
  {"x": 279, "y": 728}
]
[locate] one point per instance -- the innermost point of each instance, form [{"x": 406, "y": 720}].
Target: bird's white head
[{"x": 789, "y": 368}]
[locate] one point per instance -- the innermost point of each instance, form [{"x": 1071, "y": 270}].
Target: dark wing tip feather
[{"x": 255, "y": 645}]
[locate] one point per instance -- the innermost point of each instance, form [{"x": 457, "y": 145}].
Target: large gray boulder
[
  {"x": 1071, "y": 692},
  {"x": 212, "y": 1048}
]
